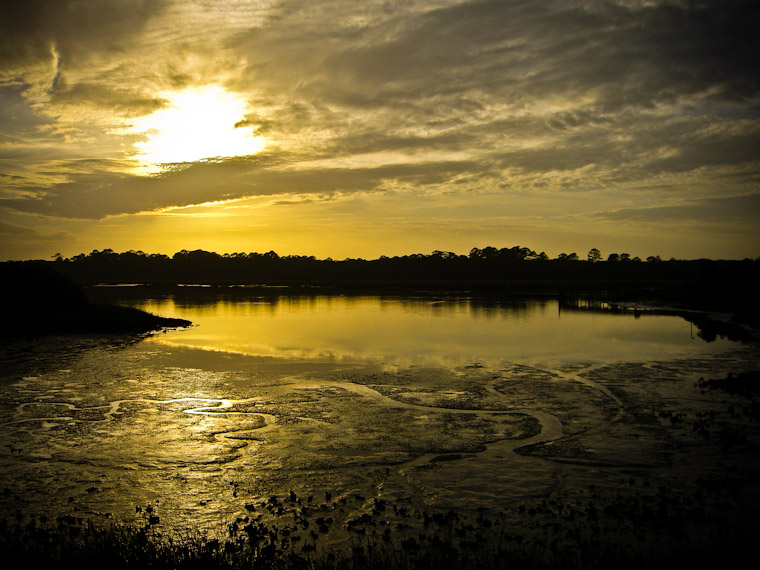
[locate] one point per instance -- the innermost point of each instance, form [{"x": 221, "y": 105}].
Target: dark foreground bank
[
  {"x": 446, "y": 544},
  {"x": 37, "y": 302}
]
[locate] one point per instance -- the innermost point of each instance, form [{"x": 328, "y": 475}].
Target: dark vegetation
[
  {"x": 730, "y": 428},
  {"x": 487, "y": 267},
  {"x": 652, "y": 528},
  {"x": 744, "y": 384},
  {"x": 41, "y": 301},
  {"x": 719, "y": 285}
]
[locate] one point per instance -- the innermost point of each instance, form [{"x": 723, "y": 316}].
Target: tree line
[{"x": 480, "y": 265}]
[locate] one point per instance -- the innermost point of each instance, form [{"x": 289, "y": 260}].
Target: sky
[{"x": 339, "y": 128}]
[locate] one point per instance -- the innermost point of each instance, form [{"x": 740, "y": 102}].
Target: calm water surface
[
  {"x": 422, "y": 331},
  {"x": 417, "y": 400}
]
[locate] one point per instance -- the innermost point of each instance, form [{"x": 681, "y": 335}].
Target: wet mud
[{"x": 331, "y": 451}]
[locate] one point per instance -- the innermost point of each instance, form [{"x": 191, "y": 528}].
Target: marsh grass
[{"x": 70, "y": 542}]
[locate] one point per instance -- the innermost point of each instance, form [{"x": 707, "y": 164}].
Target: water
[
  {"x": 428, "y": 402},
  {"x": 421, "y": 331}
]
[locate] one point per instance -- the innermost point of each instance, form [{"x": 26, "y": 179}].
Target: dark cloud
[
  {"x": 16, "y": 231},
  {"x": 594, "y": 79},
  {"x": 94, "y": 196},
  {"x": 728, "y": 209},
  {"x": 17, "y": 118},
  {"x": 518, "y": 50},
  {"x": 627, "y": 148},
  {"x": 707, "y": 147},
  {"x": 120, "y": 100},
  {"x": 16, "y": 237},
  {"x": 76, "y": 28}
]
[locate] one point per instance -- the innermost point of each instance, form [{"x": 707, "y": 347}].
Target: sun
[{"x": 198, "y": 123}]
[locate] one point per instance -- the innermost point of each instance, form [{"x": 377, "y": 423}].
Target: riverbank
[
  {"x": 40, "y": 302},
  {"x": 88, "y": 319}
]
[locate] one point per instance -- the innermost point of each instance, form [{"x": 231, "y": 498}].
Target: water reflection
[{"x": 424, "y": 330}]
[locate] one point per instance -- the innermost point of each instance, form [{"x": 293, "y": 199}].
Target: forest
[{"x": 481, "y": 266}]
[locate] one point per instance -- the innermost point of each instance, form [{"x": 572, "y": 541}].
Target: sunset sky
[{"x": 349, "y": 128}]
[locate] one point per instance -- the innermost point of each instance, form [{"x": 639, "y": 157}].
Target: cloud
[
  {"x": 75, "y": 28},
  {"x": 743, "y": 209},
  {"x": 37, "y": 231},
  {"x": 619, "y": 54},
  {"x": 14, "y": 230},
  {"x": 99, "y": 194},
  {"x": 118, "y": 100},
  {"x": 17, "y": 118},
  {"x": 623, "y": 87}
]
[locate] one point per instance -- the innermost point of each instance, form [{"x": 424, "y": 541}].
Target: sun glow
[{"x": 199, "y": 123}]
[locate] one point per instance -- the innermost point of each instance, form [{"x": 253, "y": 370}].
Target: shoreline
[
  {"x": 735, "y": 322},
  {"x": 97, "y": 319}
]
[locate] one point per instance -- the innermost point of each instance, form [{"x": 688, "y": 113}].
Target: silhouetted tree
[
  {"x": 489, "y": 267},
  {"x": 594, "y": 255}
]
